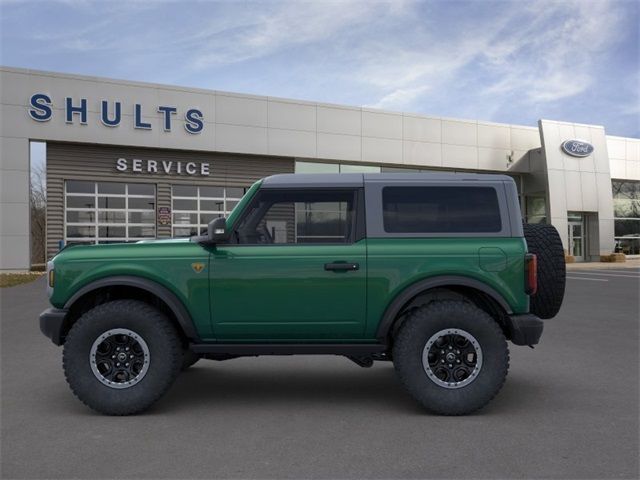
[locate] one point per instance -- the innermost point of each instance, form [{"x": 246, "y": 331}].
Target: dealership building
[{"x": 128, "y": 161}]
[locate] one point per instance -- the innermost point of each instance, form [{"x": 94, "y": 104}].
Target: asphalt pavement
[{"x": 569, "y": 409}]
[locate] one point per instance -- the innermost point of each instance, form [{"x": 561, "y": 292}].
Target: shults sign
[{"x": 41, "y": 110}]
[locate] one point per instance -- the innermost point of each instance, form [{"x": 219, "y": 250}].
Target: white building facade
[{"x": 128, "y": 161}]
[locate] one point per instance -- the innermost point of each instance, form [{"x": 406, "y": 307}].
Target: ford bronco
[{"x": 434, "y": 272}]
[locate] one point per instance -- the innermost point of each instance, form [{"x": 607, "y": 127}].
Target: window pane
[
  {"x": 440, "y": 210},
  {"x": 110, "y": 187},
  {"x": 111, "y": 217},
  {"x": 142, "y": 217},
  {"x": 185, "y": 204},
  {"x": 185, "y": 232},
  {"x": 81, "y": 202},
  {"x": 112, "y": 202},
  {"x": 205, "y": 218},
  {"x": 75, "y": 186},
  {"x": 79, "y": 232},
  {"x": 140, "y": 232},
  {"x": 235, "y": 192},
  {"x": 185, "y": 218},
  {"x": 112, "y": 232},
  {"x": 399, "y": 170},
  {"x": 231, "y": 204},
  {"x": 627, "y": 227},
  {"x": 184, "y": 191},
  {"x": 536, "y": 206},
  {"x": 299, "y": 217},
  {"x": 142, "y": 189},
  {"x": 311, "y": 167},
  {"x": 629, "y": 245},
  {"x": 142, "y": 203},
  {"x": 81, "y": 217},
  {"x": 359, "y": 169},
  {"x": 214, "y": 205},
  {"x": 626, "y": 189},
  {"x": 319, "y": 223},
  {"x": 626, "y": 208},
  {"x": 212, "y": 192}
]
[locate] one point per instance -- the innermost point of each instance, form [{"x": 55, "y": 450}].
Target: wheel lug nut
[
  {"x": 113, "y": 356},
  {"x": 127, "y": 349},
  {"x": 126, "y": 364},
  {"x": 130, "y": 356},
  {"x": 450, "y": 347},
  {"x": 442, "y": 361},
  {"x": 457, "y": 361},
  {"x": 450, "y": 365},
  {"x": 458, "y": 352},
  {"x": 441, "y": 351},
  {"x": 118, "y": 364}
]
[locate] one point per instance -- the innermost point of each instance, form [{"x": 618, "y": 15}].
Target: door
[
  {"x": 295, "y": 269},
  {"x": 576, "y": 235}
]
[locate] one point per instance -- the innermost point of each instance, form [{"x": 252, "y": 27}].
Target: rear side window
[{"x": 441, "y": 209}]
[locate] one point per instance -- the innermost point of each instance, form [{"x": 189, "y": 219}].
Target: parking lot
[{"x": 569, "y": 409}]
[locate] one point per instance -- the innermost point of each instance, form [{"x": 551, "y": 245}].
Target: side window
[
  {"x": 297, "y": 217},
  {"x": 441, "y": 209}
]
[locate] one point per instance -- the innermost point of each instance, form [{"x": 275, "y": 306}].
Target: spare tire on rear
[{"x": 544, "y": 241}]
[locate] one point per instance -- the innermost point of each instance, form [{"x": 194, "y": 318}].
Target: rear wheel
[
  {"x": 120, "y": 357},
  {"x": 545, "y": 242},
  {"x": 451, "y": 356}
]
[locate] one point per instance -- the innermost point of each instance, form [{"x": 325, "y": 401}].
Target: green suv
[{"x": 434, "y": 272}]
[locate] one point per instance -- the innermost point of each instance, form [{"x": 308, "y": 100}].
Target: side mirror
[{"x": 217, "y": 230}]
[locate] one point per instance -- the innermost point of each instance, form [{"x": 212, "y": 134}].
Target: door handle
[{"x": 341, "y": 266}]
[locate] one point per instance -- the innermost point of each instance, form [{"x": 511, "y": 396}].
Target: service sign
[
  {"x": 162, "y": 167},
  {"x": 577, "y": 148}
]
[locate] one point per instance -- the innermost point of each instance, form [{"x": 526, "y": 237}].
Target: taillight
[{"x": 531, "y": 274}]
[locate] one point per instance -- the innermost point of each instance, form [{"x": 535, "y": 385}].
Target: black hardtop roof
[{"x": 307, "y": 180}]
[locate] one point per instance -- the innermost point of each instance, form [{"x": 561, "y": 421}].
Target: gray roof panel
[
  {"x": 311, "y": 180},
  {"x": 350, "y": 180}
]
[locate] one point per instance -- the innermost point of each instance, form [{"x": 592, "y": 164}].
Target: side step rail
[{"x": 349, "y": 349}]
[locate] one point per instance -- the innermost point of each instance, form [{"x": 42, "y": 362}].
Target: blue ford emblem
[{"x": 577, "y": 148}]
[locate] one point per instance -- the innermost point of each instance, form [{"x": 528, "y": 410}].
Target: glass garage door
[
  {"x": 109, "y": 212},
  {"x": 195, "y": 206}
]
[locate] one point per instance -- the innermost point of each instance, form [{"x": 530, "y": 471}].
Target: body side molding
[
  {"x": 420, "y": 286},
  {"x": 167, "y": 296}
]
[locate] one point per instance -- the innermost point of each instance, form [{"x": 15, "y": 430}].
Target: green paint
[{"x": 283, "y": 292}]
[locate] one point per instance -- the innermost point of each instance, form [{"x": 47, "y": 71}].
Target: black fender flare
[
  {"x": 163, "y": 293},
  {"x": 392, "y": 310}
]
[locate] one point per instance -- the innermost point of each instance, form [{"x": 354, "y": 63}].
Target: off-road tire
[
  {"x": 426, "y": 321},
  {"x": 545, "y": 242},
  {"x": 189, "y": 359},
  {"x": 165, "y": 356}
]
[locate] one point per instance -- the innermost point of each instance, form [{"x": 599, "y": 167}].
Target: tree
[{"x": 38, "y": 210}]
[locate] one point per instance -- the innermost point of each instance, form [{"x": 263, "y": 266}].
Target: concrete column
[{"x": 15, "y": 246}]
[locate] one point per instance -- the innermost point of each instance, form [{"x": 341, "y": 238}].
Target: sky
[{"x": 508, "y": 62}]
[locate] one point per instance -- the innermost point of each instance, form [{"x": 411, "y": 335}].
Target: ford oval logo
[{"x": 577, "y": 148}]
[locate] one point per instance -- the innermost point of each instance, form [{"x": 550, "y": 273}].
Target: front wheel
[
  {"x": 451, "y": 356},
  {"x": 121, "y": 356}
]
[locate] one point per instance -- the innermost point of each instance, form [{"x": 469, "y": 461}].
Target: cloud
[
  {"x": 542, "y": 53},
  {"x": 553, "y": 57},
  {"x": 503, "y": 61},
  {"x": 284, "y": 25}
]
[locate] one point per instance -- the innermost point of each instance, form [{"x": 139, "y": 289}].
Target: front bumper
[
  {"x": 52, "y": 324},
  {"x": 525, "y": 329}
]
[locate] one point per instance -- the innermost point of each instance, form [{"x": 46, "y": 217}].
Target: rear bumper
[
  {"x": 525, "y": 329},
  {"x": 52, "y": 323}
]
